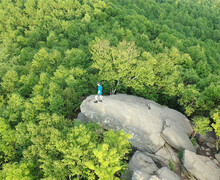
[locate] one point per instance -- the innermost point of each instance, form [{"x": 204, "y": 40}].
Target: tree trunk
[
  {"x": 193, "y": 135},
  {"x": 113, "y": 91}
]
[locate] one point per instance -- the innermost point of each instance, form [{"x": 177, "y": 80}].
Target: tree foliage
[
  {"x": 52, "y": 53},
  {"x": 215, "y": 114}
]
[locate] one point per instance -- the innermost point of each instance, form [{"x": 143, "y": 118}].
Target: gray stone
[
  {"x": 211, "y": 145},
  {"x": 176, "y": 136},
  {"x": 207, "y": 153},
  {"x": 217, "y": 156},
  {"x": 82, "y": 118},
  {"x": 139, "y": 175},
  {"x": 154, "y": 177},
  {"x": 133, "y": 115},
  {"x": 216, "y": 162},
  {"x": 167, "y": 153},
  {"x": 143, "y": 163},
  {"x": 160, "y": 161},
  {"x": 166, "y": 174},
  {"x": 200, "y": 166},
  {"x": 202, "y": 138},
  {"x": 208, "y": 137}
]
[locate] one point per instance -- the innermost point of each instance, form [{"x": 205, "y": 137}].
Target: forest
[{"x": 52, "y": 53}]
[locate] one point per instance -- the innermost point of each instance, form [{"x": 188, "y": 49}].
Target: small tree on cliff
[
  {"x": 125, "y": 65},
  {"x": 117, "y": 65}
]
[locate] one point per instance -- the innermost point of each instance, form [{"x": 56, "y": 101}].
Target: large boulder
[
  {"x": 166, "y": 174},
  {"x": 176, "y": 136},
  {"x": 143, "y": 163},
  {"x": 142, "y": 118},
  {"x": 201, "y": 167}
]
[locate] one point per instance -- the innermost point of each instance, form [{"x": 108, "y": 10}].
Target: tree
[
  {"x": 189, "y": 98},
  {"x": 74, "y": 57},
  {"x": 87, "y": 156},
  {"x": 201, "y": 125},
  {"x": 14, "y": 109},
  {"x": 215, "y": 114},
  {"x": 16, "y": 171},
  {"x": 110, "y": 155},
  {"x": 50, "y": 58},
  {"x": 44, "y": 61},
  {"x": 10, "y": 81},
  {"x": 117, "y": 65},
  {"x": 62, "y": 149},
  {"x": 7, "y": 142},
  {"x": 123, "y": 66}
]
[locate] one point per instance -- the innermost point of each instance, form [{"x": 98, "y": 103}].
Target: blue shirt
[{"x": 100, "y": 90}]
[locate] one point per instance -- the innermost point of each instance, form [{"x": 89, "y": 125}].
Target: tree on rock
[{"x": 117, "y": 65}]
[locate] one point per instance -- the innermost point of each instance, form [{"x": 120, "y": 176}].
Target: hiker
[{"x": 99, "y": 94}]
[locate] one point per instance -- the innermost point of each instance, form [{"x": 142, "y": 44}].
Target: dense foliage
[{"x": 53, "y": 52}]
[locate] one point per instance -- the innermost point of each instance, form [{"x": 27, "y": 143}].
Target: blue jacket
[{"x": 100, "y": 90}]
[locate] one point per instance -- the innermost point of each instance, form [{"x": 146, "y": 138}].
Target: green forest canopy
[{"x": 53, "y": 52}]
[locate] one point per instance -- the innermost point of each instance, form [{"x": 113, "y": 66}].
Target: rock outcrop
[
  {"x": 157, "y": 132},
  {"x": 149, "y": 123}
]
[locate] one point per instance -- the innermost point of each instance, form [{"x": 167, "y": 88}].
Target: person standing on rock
[{"x": 98, "y": 97}]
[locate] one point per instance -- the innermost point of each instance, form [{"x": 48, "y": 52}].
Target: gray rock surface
[
  {"x": 176, "y": 136},
  {"x": 82, "y": 118},
  {"x": 217, "y": 156},
  {"x": 154, "y": 177},
  {"x": 139, "y": 175},
  {"x": 132, "y": 114},
  {"x": 160, "y": 161},
  {"x": 143, "y": 163},
  {"x": 167, "y": 153},
  {"x": 216, "y": 162},
  {"x": 200, "y": 166},
  {"x": 165, "y": 174},
  {"x": 208, "y": 137},
  {"x": 210, "y": 145}
]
